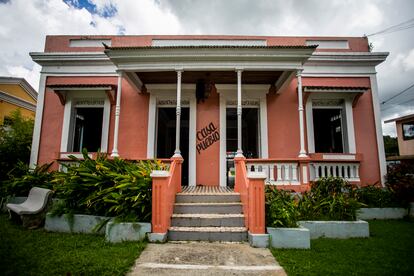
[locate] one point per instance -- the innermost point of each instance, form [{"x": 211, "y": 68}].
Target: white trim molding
[
  {"x": 68, "y": 122},
  {"x": 4, "y": 96},
  {"x": 252, "y": 95},
  {"x": 34, "y": 154},
  {"x": 167, "y": 94},
  {"x": 378, "y": 127}
]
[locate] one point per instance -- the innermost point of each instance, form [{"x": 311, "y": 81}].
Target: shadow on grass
[
  {"x": 37, "y": 252},
  {"x": 388, "y": 251}
]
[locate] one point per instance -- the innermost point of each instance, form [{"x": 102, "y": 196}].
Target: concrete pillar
[{"x": 117, "y": 113}]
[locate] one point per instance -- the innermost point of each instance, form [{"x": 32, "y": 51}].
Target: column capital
[
  {"x": 239, "y": 69},
  {"x": 299, "y": 72},
  {"x": 179, "y": 69},
  {"x": 120, "y": 73}
]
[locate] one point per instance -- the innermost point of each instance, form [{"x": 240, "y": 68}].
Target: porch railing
[
  {"x": 165, "y": 185},
  {"x": 348, "y": 171},
  {"x": 278, "y": 172},
  {"x": 251, "y": 189}
]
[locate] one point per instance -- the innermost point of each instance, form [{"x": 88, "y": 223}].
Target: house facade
[
  {"x": 405, "y": 135},
  {"x": 16, "y": 93},
  {"x": 297, "y": 108}
]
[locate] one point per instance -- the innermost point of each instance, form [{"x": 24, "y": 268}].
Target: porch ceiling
[{"x": 218, "y": 77}]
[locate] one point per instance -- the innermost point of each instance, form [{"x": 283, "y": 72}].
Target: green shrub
[
  {"x": 376, "y": 197},
  {"x": 116, "y": 188},
  {"x": 15, "y": 142},
  {"x": 22, "y": 179},
  {"x": 330, "y": 198},
  {"x": 400, "y": 180},
  {"x": 281, "y": 208}
]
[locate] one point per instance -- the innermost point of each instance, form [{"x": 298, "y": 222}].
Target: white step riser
[
  {"x": 207, "y": 198},
  {"x": 208, "y": 222}
]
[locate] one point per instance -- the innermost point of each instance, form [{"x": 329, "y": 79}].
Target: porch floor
[{"x": 206, "y": 190}]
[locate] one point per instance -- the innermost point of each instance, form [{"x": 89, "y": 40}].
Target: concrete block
[
  {"x": 157, "y": 237},
  {"x": 80, "y": 224},
  {"x": 289, "y": 237},
  {"x": 259, "y": 240},
  {"x": 337, "y": 229},
  {"x": 126, "y": 231},
  {"x": 382, "y": 213}
]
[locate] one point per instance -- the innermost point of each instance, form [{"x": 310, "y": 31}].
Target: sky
[{"x": 25, "y": 23}]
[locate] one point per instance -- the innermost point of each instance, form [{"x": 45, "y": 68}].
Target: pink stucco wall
[
  {"x": 132, "y": 127},
  {"x": 60, "y": 43}
]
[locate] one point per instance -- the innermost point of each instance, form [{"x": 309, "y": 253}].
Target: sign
[{"x": 206, "y": 137}]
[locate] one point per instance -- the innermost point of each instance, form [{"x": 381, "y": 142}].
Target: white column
[
  {"x": 302, "y": 152},
  {"x": 239, "y": 115},
  {"x": 117, "y": 113},
  {"x": 177, "y": 152},
  {"x": 38, "y": 121}
]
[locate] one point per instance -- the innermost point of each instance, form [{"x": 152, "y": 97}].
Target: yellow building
[{"x": 16, "y": 93}]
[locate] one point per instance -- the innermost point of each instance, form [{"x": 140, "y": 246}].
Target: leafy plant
[
  {"x": 22, "y": 179},
  {"x": 100, "y": 186},
  {"x": 15, "y": 142},
  {"x": 330, "y": 198},
  {"x": 281, "y": 208},
  {"x": 377, "y": 197},
  {"x": 400, "y": 180}
]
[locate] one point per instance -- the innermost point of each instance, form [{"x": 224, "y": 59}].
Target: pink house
[{"x": 297, "y": 108}]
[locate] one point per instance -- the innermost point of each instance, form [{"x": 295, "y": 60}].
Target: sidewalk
[{"x": 199, "y": 258}]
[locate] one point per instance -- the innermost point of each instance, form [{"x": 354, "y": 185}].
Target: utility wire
[
  {"x": 398, "y": 94},
  {"x": 395, "y": 28}
]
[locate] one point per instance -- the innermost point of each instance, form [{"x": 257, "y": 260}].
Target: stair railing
[
  {"x": 251, "y": 188},
  {"x": 165, "y": 185}
]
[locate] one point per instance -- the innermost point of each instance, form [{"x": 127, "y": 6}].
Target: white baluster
[
  {"x": 287, "y": 173},
  {"x": 279, "y": 172},
  {"x": 334, "y": 170},
  {"x": 340, "y": 167},
  {"x": 346, "y": 176},
  {"x": 294, "y": 172},
  {"x": 357, "y": 171},
  {"x": 316, "y": 170},
  {"x": 323, "y": 168},
  {"x": 272, "y": 172}
]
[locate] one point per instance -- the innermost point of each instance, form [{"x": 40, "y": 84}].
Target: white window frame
[
  {"x": 68, "y": 118},
  {"x": 347, "y": 119}
]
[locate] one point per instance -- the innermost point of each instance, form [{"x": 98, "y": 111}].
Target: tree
[
  {"x": 15, "y": 142},
  {"x": 391, "y": 146}
]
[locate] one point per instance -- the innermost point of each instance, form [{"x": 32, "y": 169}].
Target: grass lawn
[
  {"x": 36, "y": 252},
  {"x": 388, "y": 251}
]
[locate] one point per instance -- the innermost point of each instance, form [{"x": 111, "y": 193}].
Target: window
[
  {"x": 87, "y": 131},
  {"x": 328, "y": 130},
  {"x": 85, "y": 121},
  {"x": 408, "y": 130}
]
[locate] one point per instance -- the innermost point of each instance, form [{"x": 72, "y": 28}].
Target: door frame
[
  {"x": 165, "y": 95},
  {"x": 253, "y": 95}
]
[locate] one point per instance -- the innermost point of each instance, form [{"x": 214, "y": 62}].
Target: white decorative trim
[
  {"x": 328, "y": 44},
  {"x": 304, "y": 175},
  {"x": 168, "y": 92},
  {"x": 338, "y": 157},
  {"x": 4, "y": 96},
  {"x": 22, "y": 83},
  {"x": 349, "y": 144},
  {"x": 377, "y": 118},
  {"x": 256, "y": 92},
  {"x": 209, "y": 42},
  {"x": 38, "y": 121},
  {"x": 68, "y": 123}
]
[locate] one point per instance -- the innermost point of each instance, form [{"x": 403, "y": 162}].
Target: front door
[
  {"x": 250, "y": 137},
  {"x": 165, "y": 141}
]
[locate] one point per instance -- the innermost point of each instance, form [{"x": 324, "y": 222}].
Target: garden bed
[
  {"x": 337, "y": 229},
  {"x": 75, "y": 224},
  {"x": 382, "y": 213},
  {"x": 289, "y": 237},
  {"x": 127, "y": 231}
]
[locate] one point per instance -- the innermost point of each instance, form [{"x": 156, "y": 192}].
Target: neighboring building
[
  {"x": 309, "y": 104},
  {"x": 16, "y": 93},
  {"x": 405, "y": 135}
]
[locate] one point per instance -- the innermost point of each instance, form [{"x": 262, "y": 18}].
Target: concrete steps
[{"x": 207, "y": 216}]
